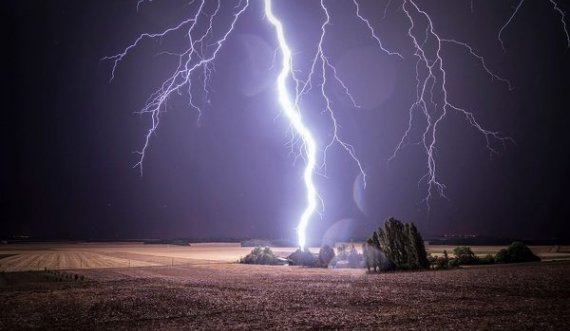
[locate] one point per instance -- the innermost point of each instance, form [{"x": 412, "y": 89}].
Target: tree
[
  {"x": 396, "y": 245},
  {"x": 393, "y": 241},
  {"x": 326, "y": 254},
  {"x": 304, "y": 258},
  {"x": 465, "y": 255},
  {"x": 418, "y": 248}
]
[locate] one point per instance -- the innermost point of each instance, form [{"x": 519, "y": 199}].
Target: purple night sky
[{"x": 69, "y": 134}]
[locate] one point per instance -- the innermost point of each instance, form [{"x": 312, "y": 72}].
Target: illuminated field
[
  {"x": 215, "y": 295},
  {"x": 58, "y": 256},
  {"x": 24, "y": 257}
]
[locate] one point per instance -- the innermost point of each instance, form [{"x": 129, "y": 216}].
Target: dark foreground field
[{"x": 231, "y": 296}]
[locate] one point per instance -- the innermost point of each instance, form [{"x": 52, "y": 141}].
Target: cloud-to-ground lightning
[
  {"x": 294, "y": 117},
  {"x": 206, "y": 33}
]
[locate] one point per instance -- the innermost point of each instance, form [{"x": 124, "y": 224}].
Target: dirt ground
[{"x": 222, "y": 295}]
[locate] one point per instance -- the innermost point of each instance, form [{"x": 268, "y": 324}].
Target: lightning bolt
[
  {"x": 554, "y": 7},
  {"x": 195, "y": 66},
  {"x": 328, "y": 73},
  {"x": 199, "y": 57},
  {"x": 499, "y": 35},
  {"x": 292, "y": 112},
  {"x": 432, "y": 97},
  {"x": 327, "y": 68},
  {"x": 562, "y": 21}
]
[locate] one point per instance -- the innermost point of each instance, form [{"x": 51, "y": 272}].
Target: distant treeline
[
  {"x": 267, "y": 243},
  {"x": 179, "y": 242},
  {"x": 491, "y": 241}
]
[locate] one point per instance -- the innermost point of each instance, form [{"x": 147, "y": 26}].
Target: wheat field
[{"x": 61, "y": 256}]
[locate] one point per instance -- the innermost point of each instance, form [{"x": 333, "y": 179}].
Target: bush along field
[
  {"x": 517, "y": 252},
  {"x": 394, "y": 246},
  {"x": 263, "y": 255}
]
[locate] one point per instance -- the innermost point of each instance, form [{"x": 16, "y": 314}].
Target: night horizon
[{"x": 68, "y": 170}]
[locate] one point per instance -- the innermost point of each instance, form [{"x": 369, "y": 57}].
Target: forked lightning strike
[
  {"x": 432, "y": 102},
  {"x": 294, "y": 116},
  {"x": 432, "y": 98},
  {"x": 198, "y": 56}
]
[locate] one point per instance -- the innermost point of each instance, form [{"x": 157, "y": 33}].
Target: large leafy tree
[
  {"x": 397, "y": 244},
  {"x": 418, "y": 247}
]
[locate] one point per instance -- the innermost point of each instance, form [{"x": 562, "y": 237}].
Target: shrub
[
  {"x": 441, "y": 262},
  {"x": 304, "y": 258},
  {"x": 502, "y": 256},
  {"x": 464, "y": 255},
  {"x": 453, "y": 263},
  {"x": 326, "y": 254},
  {"x": 515, "y": 253},
  {"x": 519, "y": 252},
  {"x": 262, "y": 255},
  {"x": 488, "y": 259}
]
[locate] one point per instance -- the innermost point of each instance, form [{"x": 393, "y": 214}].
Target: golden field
[{"x": 61, "y": 256}]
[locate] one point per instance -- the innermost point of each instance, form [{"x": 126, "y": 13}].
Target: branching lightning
[
  {"x": 518, "y": 7},
  {"x": 326, "y": 69},
  {"x": 199, "y": 56},
  {"x": 432, "y": 97},
  {"x": 195, "y": 66}
]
